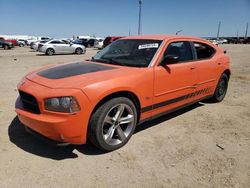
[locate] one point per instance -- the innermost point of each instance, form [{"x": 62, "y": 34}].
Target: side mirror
[{"x": 169, "y": 59}]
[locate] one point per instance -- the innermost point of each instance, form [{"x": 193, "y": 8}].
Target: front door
[{"x": 174, "y": 84}]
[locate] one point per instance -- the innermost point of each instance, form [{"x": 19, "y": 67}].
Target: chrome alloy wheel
[
  {"x": 118, "y": 124},
  {"x": 222, "y": 86}
]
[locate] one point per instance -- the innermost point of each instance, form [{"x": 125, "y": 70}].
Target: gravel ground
[{"x": 205, "y": 145}]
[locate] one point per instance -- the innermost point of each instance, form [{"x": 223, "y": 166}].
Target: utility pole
[
  {"x": 218, "y": 33},
  {"x": 246, "y": 31},
  {"x": 139, "y": 24}
]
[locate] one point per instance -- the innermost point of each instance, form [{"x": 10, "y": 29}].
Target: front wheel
[
  {"x": 221, "y": 89},
  {"x": 112, "y": 124}
]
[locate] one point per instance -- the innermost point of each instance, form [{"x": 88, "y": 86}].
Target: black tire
[
  {"x": 21, "y": 45},
  {"x": 79, "y": 51},
  {"x": 99, "y": 127},
  {"x": 50, "y": 51},
  {"x": 221, "y": 89}
]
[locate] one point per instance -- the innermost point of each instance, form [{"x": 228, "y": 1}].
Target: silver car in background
[
  {"x": 61, "y": 47},
  {"x": 35, "y": 45}
]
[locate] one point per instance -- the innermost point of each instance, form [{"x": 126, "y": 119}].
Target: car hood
[{"x": 78, "y": 75}]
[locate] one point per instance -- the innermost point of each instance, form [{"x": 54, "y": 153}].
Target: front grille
[{"x": 29, "y": 102}]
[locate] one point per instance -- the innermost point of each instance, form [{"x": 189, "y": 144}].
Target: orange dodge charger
[{"x": 130, "y": 81}]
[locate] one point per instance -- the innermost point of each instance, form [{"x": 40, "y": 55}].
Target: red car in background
[
  {"x": 14, "y": 42},
  {"x": 110, "y": 39}
]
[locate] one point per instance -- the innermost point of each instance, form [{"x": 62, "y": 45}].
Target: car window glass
[
  {"x": 129, "y": 52},
  {"x": 55, "y": 42},
  {"x": 181, "y": 49},
  {"x": 64, "y": 42},
  {"x": 77, "y": 42},
  {"x": 203, "y": 51}
]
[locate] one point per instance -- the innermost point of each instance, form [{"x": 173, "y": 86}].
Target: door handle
[
  {"x": 192, "y": 68},
  {"x": 219, "y": 63}
]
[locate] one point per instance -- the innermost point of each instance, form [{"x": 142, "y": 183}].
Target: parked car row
[
  {"x": 60, "y": 46},
  {"x": 66, "y": 46},
  {"x": 230, "y": 40},
  {"x": 5, "y": 44},
  {"x": 14, "y": 42},
  {"x": 96, "y": 42}
]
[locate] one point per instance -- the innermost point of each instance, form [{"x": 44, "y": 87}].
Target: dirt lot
[{"x": 178, "y": 150}]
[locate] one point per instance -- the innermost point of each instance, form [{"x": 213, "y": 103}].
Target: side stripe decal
[{"x": 178, "y": 99}]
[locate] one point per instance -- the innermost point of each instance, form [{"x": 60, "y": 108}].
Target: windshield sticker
[{"x": 152, "y": 45}]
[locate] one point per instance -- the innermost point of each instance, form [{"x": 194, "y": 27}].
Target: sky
[{"x": 65, "y": 18}]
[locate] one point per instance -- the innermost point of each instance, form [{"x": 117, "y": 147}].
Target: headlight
[{"x": 62, "y": 104}]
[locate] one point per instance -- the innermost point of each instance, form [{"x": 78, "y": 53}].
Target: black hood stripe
[{"x": 73, "y": 69}]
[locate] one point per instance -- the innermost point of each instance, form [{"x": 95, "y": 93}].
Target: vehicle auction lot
[{"x": 205, "y": 145}]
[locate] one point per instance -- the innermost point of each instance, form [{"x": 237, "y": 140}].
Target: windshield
[{"x": 129, "y": 52}]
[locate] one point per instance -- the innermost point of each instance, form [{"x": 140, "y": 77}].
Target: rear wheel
[
  {"x": 112, "y": 124},
  {"x": 79, "y": 51},
  {"x": 50, "y": 51},
  {"x": 221, "y": 89}
]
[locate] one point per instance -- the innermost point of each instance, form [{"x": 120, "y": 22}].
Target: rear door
[
  {"x": 206, "y": 69},
  {"x": 174, "y": 84},
  {"x": 57, "y": 45}
]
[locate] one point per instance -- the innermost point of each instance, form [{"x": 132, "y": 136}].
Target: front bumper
[
  {"x": 45, "y": 139},
  {"x": 61, "y": 127}
]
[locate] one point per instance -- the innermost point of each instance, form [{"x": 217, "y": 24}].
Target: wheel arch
[
  {"x": 227, "y": 72},
  {"x": 78, "y": 47},
  {"x": 128, "y": 94},
  {"x": 49, "y": 47}
]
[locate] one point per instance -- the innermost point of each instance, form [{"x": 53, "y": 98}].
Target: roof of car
[{"x": 161, "y": 37}]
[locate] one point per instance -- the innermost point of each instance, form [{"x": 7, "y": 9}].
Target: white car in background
[
  {"x": 218, "y": 41},
  {"x": 35, "y": 45},
  {"x": 99, "y": 43},
  {"x": 21, "y": 42},
  {"x": 214, "y": 42},
  {"x": 61, "y": 47},
  {"x": 32, "y": 40}
]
